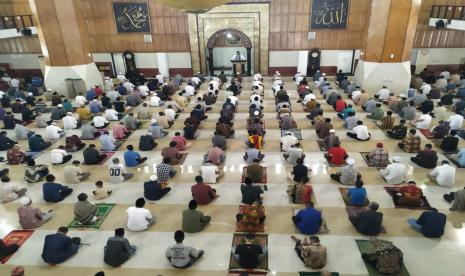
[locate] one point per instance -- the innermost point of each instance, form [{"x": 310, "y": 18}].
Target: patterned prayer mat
[
  {"x": 262, "y": 181},
  {"x": 428, "y": 134},
  {"x": 366, "y": 246},
  {"x": 109, "y": 154},
  {"x": 18, "y": 237},
  {"x": 103, "y": 209},
  {"x": 239, "y": 238},
  {"x": 250, "y": 221},
  {"x": 353, "y": 212},
  {"x": 297, "y": 133},
  {"x": 343, "y": 192},
  {"x": 424, "y": 205},
  {"x": 255, "y": 273},
  {"x": 323, "y": 228},
  {"x": 183, "y": 158},
  {"x": 364, "y": 155}
]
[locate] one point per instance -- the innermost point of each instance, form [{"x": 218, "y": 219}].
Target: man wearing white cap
[
  {"x": 31, "y": 217},
  {"x": 121, "y": 77},
  {"x": 80, "y": 100},
  {"x": 347, "y": 175},
  {"x": 257, "y": 77},
  {"x": 155, "y": 100},
  {"x": 395, "y": 173},
  {"x": 69, "y": 122},
  {"x": 298, "y": 78},
  {"x": 288, "y": 140},
  {"x": 111, "y": 114},
  {"x": 310, "y": 96},
  {"x": 332, "y": 139},
  {"x": 58, "y": 113},
  {"x": 52, "y": 132}
]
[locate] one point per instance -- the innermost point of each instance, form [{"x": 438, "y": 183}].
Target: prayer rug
[
  {"x": 392, "y": 191},
  {"x": 183, "y": 158},
  {"x": 316, "y": 273},
  {"x": 130, "y": 132},
  {"x": 428, "y": 134},
  {"x": 321, "y": 145},
  {"x": 255, "y": 273},
  {"x": 353, "y": 212},
  {"x": 297, "y": 133},
  {"x": 250, "y": 221},
  {"x": 103, "y": 209},
  {"x": 262, "y": 181},
  {"x": 119, "y": 143},
  {"x": 25, "y": 123},
  {"x": 366, "y": 246},
  {"x": 343, "y": 192},
  {"x": 239, "y": 238},
  {"x": 453, "y": 160},
  {"x": 364, "y": 155},
  {"x": 18, "y": 237},
  {"x": 323, "y": 228}
]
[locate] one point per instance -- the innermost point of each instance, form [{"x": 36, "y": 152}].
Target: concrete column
[
  {"x": 65, "y": 45},
  {"x": 163, "y": 64},
  {"x": 388, "y": 41}
]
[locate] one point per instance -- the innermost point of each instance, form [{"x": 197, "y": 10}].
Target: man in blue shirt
[
  {"x": 357, "y": 196},
  {"x": 91, "y": 95},
  {"x": 58, "y": 247},
  {"x": 133, "y": 158},
  {"x": 308, "y": 220},
  {"x": 430, "y": 223},
  {"x": 368, "y": 222},
  {"x": 345, "y": 113},
  {"x": 461, "y": 157},
  {"x": 54, "y": 192},
  {"x": 122, "y": 90}
]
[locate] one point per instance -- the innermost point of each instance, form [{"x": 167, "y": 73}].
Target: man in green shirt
[{"x": 192, "y": 220}]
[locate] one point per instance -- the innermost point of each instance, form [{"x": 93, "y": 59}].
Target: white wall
[
  {"x": 146, "y": 60},
  {"x": 222, "y": 55},
  {"x": 338, "y": 58},
  {"x": 444, "y": 55},
  {"x": 21, "y": 61},
  {"x": 179, "y": 60}
]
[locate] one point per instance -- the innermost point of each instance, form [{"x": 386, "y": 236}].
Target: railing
[{"x": 16, "y": 22}]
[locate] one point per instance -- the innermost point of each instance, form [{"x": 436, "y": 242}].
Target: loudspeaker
[
  {"x": 26, "y": 32},
  {"x": 440, "y": 24}
]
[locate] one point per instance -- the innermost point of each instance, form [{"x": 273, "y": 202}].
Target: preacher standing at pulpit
[{"x": 238, "y": 62}]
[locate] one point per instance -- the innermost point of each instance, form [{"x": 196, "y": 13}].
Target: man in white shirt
[
  {"x": 170, "y": 114},
  {"x": 443, "y": 175},
  {"x": 118, "y": 172},
  {"x": 277, "y": 85},
  {"x": 395, "y": 173},
  {"x": 113, "y": 95},
  {"x": 360, "y": 132},
  {"x": 59, "y": 156},
  {"x": 108, "y": 84},
  {"x": 383, "y": 94},
  {"x": 288, "y": 140},
  {"x": 258, "y": 89},
  {"x": 180, "y": 255},
  {"x": 238, "y": 56},
  {"x": 257, "y": 77},
  {"x": 356, "y": 94},
  {"x": 445, "y": 74},
  {"x": 424, "y": 121},
  {"x": 196, "y": 79},
  {"x": 144, "y": 90},
  {"x": 139, "y": 218},
  {"x": 298, "y": 78},
  {"x": 129, "y": 86},
  {"x": 121, "y": 77},
  {"x": 155, "y": 100},
  {"x": 190, "y": 90},
  {"x": 69, "y": 122},
  {"x": 210, "y": 172},
  {"x": 253, "y": 96},
  {"x": 14, "y": 83},
  {"x": 111, "y": 115},
  {"x": 310, "y": 96},
  {"x": 80, "y": 100},
  {"x": 74, "y": 174},
  {"x": 100, "y": 121},
  {"x": 160, "y": 78},
  {"x": 455, "y": 121},
  {"x": 52, "y": 132},
  {"x": 425, "y": 88}
]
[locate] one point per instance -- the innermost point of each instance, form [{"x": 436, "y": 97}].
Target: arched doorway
[{"x": 229, "y": 38}]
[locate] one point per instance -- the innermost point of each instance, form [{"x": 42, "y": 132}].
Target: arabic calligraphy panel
[
  {"x": 132, "y": 17},
  {"x": 329, "y": 14}
]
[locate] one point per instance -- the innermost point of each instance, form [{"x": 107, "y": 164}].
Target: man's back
[
  {"x": 57, "y": 248},
  {"x": 248, "y": 255},
  {"x": 369, "y": 222},
  {"x": 310, "y": 221},
  {"x": 191, "y": 221},
  {"x": 433, "y": 224},
  {"x": 250, "y": 193},
  {"x": 116, "y": 252},
  {"x": 202, "y": 193}
]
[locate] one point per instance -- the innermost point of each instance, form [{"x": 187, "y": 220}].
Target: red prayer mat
[
  {"x": 18, "y": 237},
  {"x": 262, "y": 181}
]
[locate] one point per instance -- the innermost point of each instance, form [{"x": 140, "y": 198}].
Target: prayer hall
[{"x": 232, "y": 137}]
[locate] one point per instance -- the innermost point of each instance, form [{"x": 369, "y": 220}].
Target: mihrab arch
[{"x": 245, "y": 41}]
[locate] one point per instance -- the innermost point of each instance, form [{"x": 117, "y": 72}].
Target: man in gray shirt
[
  {"x": 252, "y": 153},
  {"x": 130, "y": 122},
  {"x": 88, "y": 132},
  {"x": 351, "y": 121},
  {"x": 370, "y": 105},
  {"x": 22, "y": 132},
  {"x": 180, "y": 255},
  {"x": 219, "y": 141},
  {"x": 293, "y": 154},
  {"x": 409, "y": 112},
  {"x": 156, "y": 130},
  {"x": 419, "y": 98},
  {"x": 118, "y": 250}
]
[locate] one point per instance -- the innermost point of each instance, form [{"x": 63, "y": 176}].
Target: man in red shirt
[
  {"x": 181, "y": 142},
  {"x": 203, "y": 194},
  {"x": 336, "y": 155},
  {"x": 409, "y": 195},
  {"x": 340, "y": 104},
  {"x": 98, "y": 91}
]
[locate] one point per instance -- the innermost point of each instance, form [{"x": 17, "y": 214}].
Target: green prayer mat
[
  {"x": 365, "y": 246},
  {"x": 238, "y": 238},
  {"x": 103, "y": 209},
  {"x": 316, "y": 273}
]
